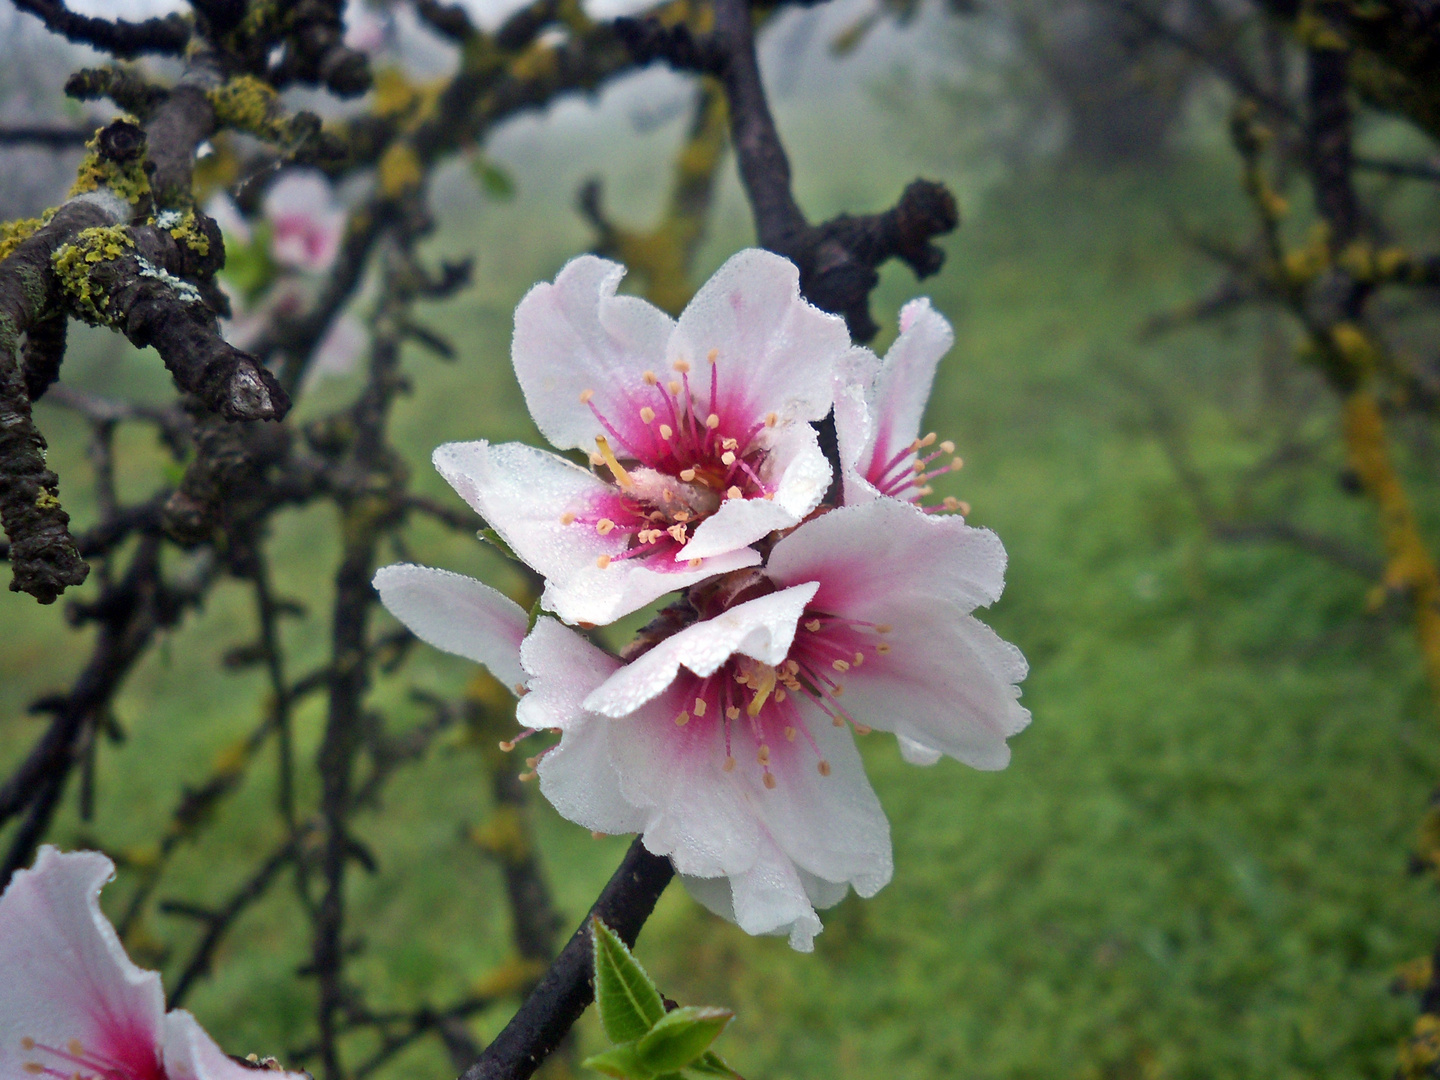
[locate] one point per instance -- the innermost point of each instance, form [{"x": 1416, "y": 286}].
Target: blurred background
[{"x": 1198, "y": 862}]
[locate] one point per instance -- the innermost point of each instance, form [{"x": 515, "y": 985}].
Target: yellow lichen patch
[
  {"x": 503, "y": 836},
  {"x": 511, "y": 977},
  {"x": 246, "y": 103},
  {"x": 46, "y": 500},
  {"x": 1305, "y": 264},
  {"x": 75, "y": 263},
  {"x": 408, "y": 103},
  {"x": 1422, "y": 1050},
  {"x": 189, "y": 234},
  {"x": 399, "y": 170},
  {"x": 128, "y": 180},
  {"x": 13, "y": 233},
  {"x": 1355, "y": 347},
  {"x": 535, "y": 64}
]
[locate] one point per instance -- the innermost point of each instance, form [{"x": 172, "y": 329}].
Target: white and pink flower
[
  {"x": 728, "y": 744},
  {"x": 698, "y": 432},
  {"x": 878, "y": 408},
  {"x": 72, "y": 1004},
  {"x": 307, "y": 222}
]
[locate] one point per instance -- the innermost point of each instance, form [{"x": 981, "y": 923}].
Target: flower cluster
[{"x": 725, "y": 735}]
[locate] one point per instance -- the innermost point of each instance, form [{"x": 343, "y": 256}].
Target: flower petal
[
  {"x": 563, "y": 669},
  {"x": 902, "y": 386},
  {"x": 762, "y": 629},
  {"x": 854, "y": 437},
  {"x": 868, "y": 557},
  {"x": 774, "y": 352},
  {"x": 190, "y": 1054},
  {"x": 768, "y": 898},
  {"x": 457, "y": 614},
  {"x": 575, "y": 334},
  {"x": 66, "y": 975},
  {"x": 600, "y": 596}
]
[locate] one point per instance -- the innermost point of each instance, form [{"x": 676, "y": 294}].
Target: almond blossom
[
  {"x": 728, "y": 743},
  {"x": 878, "y": 409},
  {"x": 307, "y": 222},
  {"x": 72, "y": 1005},
  {"x": 698, "y": 432}
]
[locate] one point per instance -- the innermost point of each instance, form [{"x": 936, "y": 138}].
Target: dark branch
[
  {"x": 49, "y": 137},
  {"x": 121, "y": 38},
  {"x": 566, "y": 990}
]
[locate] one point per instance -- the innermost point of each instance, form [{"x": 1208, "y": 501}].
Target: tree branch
[{"x": 121, "y": 38}]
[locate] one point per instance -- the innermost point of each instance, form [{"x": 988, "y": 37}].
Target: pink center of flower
[
  {"x": 128, "y": 1055},
  {"x": 906, "y": 475},
  {"x": 689, "y": 453},
  {"x": 758, "y": 706}
]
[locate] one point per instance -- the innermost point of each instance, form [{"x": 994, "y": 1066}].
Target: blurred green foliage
[{"x": 1195, "y": 865}]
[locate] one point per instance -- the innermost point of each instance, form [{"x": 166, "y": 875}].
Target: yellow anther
[
  {"x": 763, "y": 754},
  {"x": 729, "y": 443},
  {"x": 789, "y": 734},
  {"x": 567, "y": 518},
  {"x": 957, "y": 463},
  {"x": 733, "y": 493},
  {"x": 616, "y": 469},
  {"x": 779, "y": 695},
  {"x": 526, "y": 777},
  {"x": 926, "y": 490},
  {"x": 918, "y": 467},
  {"x": 838, "y": 721},
  {"x": 682, "y": 515},
  {"x": 506, "y": 745},
  {"x": 700, "y": 706},
  {"x": 34, "y": 1068},
  {"x": 729, "y": 765},
  {"x": 771, "y": 419},
  {"x": 770, "y": 781},
  {"x": 728, "y": 457},
  {"x": 687, "y": 475},
  {"x": 585, "y": 396},
  {"x": 763, "y": 684},
  {"x": 604, "y": 526},
  {"x": 840, "y": 665},
  {"x": 666, "y": 431},
  {"x": 682, "y": 366},
  {"x": 27, "y": 1043},
  {"x": 964, "y": 508},
  {"x": 823, "y": 766},
  {"x": 712, "y": 355},
  {"x": 947, "y": 447},
  {"x": 678, "y": 532},
  {"x": 859, "y": 659},
  {"x": 813, "y": 626},
  {"x": 647, "y": 414},
  {"x": 603, "y": 561},
  {"x": 770, "y": 496},
  {"x": 650, "y": 379},
  {"x": 531, "y": 762},
  {"x": 950, "y": 502},
  {"x": 596, "y": 834},
  {"x": 682, "y": 719},
  {"x": 792, "y": 666},
  {"x": 694, "y": 564},
  {"x": 863, "y": 729},
  {"x": 674, "y": 387},
  {"x": 712, "y": 421},
  {"x": 883, "y": 628},
  {"x": 839, "y": 691},
  {"x": 732, "y": 713}
]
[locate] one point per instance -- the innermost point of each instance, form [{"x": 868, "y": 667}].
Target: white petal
[
  {"x": 563, "y": 669},
  {"x": 66, "y": 975},
  {"x": 870, "y": 556},
  {"x": 735, "y": 526},
  {"x": 907, "y": 373},
  {"x": 774, "y": 351},
  {"x": 947, "y": 685},
  {"x": 190, "y": 1054},
  {"x": 457, "y": 614},
  {"x": 581, "y": 783},
  {"x": 594, "y": 595},
  {"x": 855, "y": 436},
  {"x": 762, "y": 629},
  {"x": 917, "y": 753},
  {"x": 576, "y": 334}
]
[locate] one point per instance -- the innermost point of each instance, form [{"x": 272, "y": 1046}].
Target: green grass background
[{"x": 1194, "y": 866}]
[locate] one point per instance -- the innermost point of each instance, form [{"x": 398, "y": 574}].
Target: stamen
[
  {"x": 27, "y": 1043},
  {"x": 647, "y": 414},
  {"x": 682, "y": 366},
  {"x": 771, "y": 419},
  {"x": 928, "y": 440},
  {"x": 608, "y": 456},
  {"x": 604, "y": 526},
  {"x": 728, "y": 457},
  {"x": 823, "y": 767},
  {"x": 682, "y": 719},
  {"x": 712, "y": 421},
  {"x": 567, "y": 518},
  {"x": 585, "y": 396},
  {"x": 763, "y": 685},
  {"x": 733, "y": 493},
  {"x": 674, "y": 387},
  {"x": 678, "y": 532},
  {"x": 789, "y": 734},
  {"x": 732, "y": 712},
  {"x": 813, "y": 626},
  {"x": 840, "y": 665},
  {"x": 682, "y": 515},
  {"x": 779, "y": 696},
  {"x": 947, "y": 446},
  {"x": 666, "y": 431},
  {"x": 763, "y": 754},
  {"x": 700, "y": 706},
  {"x": 964, "y": 508},
  {"x": 526, "y": 777},
  {"x": 650, "y": 379},
  {"x": 883, "y": 648},
  {"x": 712, "y": 355},
  {"x": 883, "y": 628},
  {"x": 728, "y": 443},
  {"x": 603, "y": 561},
  {"x": 694, "y": 564},
  {"x": 863, "y": 729},
  {"x": 950, "y": 502},
  {"x": 859, "y": 659},
  {"x": 687, "y": 475},
  {"x": 770, "y": 780},
  {"x": 729, "y": 765}
]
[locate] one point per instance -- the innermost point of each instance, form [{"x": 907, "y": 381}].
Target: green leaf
[
  {"x": 681, "y": 1036},
  {"x": 711, "y": 1064},
  {"x": 535, "y": 611},
  {"x": 620, "y": 1062},
  {"x": 493, "y": 180},
  {"x": 493, "y": 538},
  {"x": 629, "y": 1003}
]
